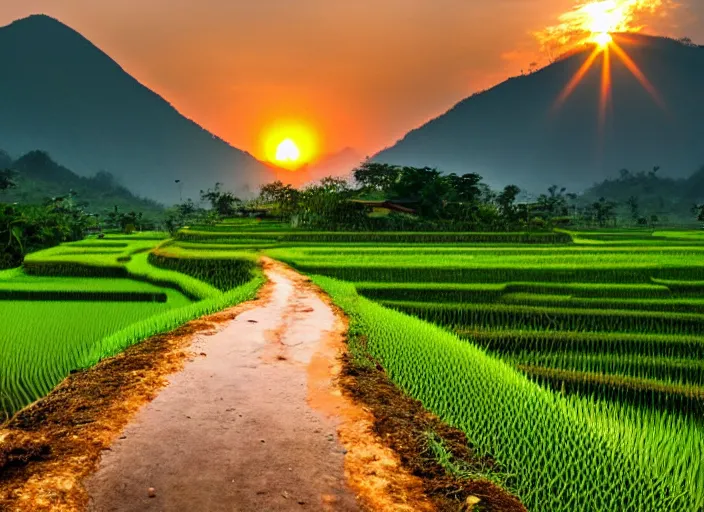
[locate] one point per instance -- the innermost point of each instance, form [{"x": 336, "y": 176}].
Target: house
[{"x": 383, "y": 207}]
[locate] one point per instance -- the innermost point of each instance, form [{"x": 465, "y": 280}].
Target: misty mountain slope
[
  {"x": 61, "y": 94},
  {"x": 38, "y": 177},
  {"x": 515, "y": 133}
]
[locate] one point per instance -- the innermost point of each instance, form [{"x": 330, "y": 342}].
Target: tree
[
  {"x": 465, "y": 188},
  {"x": 376, "y": 176},
  {"x": 634, "y": 208},
  {"x": 7, "y": 179},
  {"x": 698, "y": 210},
  {"x": 624, "y": 175},
  {"x": 326, "y": 205},
  {"x": 284, "y": 198},
  {"x": 25, "y": 228},
  {"x": 603, "y": 211},
  {"x": 554, "y": 203},
  {"x": 687, "y": 41},
  {"x": 225, "y": 203},
  {"x": 426, "y": 187},
  {"x": 186, "y": 209},
  {"x": 506, "y": 202}
]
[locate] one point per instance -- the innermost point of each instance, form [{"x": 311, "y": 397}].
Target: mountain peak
[
  {"x": 62, "y": 94},
  {"x": 38, "y": 22},
  {"x": 528, "y": 131}
]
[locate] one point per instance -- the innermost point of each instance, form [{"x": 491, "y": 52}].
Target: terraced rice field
[
  {"x": 575, "y": 361},
  {"x": 536, "y": 307},
  {"x": 73, "y": 305},
  {"x": 608, "y": 331}
]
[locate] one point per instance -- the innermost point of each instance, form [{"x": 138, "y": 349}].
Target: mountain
[
  {"x": 39, "y": 177},
  {"x": 60, "y": 93},
  {"x": 651, "y": 193},
  {"x": 517, "y": 133}
]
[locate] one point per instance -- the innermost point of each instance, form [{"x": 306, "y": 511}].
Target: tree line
[
  {"x": 448, "y": 202},
  {"x": 431, "y": 200}
]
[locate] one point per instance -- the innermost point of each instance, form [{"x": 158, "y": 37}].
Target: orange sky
[{"x": 360, "y": 72}]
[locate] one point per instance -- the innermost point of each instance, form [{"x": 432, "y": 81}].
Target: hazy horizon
[{"x": 358, "y": 76}]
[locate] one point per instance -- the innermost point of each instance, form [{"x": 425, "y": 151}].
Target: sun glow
[
  {"x": 289, "y": 144},
  {"x": 603, "y": 39},
  {"x": 593, "y": 21},
  {"x": 287, "y": 152}
]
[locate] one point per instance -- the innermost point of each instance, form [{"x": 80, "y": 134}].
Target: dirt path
[{"x": 254, "y": 423}]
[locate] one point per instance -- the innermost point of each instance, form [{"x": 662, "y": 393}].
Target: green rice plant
[
  {"x": 682, "y": 288},
  {"x": 469, "y": 274},
  {"x": 568, "y": 319},
  {"x": 565, "y": 453},
  {"x": 567, "y": 301},
  {"x": 195, "y": 289},
  {"x": 507, "y": 342},
  {"x": 10, "y": 273},
  {"x": 686, "y": 399},
  {"x": 65, "y": 260},
  {"x": 169, "y": 320},
  {"x": 680, "y": 235},
  {"x": 139, "y": 235},
  {"x": 72, "y": 295},
  {"x": 381, "y": 237},
  {"x": 666, "y": 369},
  {"x": 431, "y": 292},
  {"x": 224, "y": 247},
  {"x": 591, "y": 290},
  {"x": 223, "y": 273},
  {"x": 492, "y": 292},
  {"x": 47, "y": 340}
]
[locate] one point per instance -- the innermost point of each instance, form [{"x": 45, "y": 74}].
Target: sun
[
  {"x": 287, "y": 152},
  {"x": 603, "y": 39},
  {"x": 289, "y": 143}
]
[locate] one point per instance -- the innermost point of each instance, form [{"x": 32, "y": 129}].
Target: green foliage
[
  {"x": 637, "y": 196},
  {"x": 224, "y": 203},
  {"x": 441, "y": 202},
  {"x": 325, "y": 206},
  {"x": 284, "y": 198},
  {"x": 39, "y": 177},
  {"x": 374, "y": 176},
  {"x": 24, "y": 229},
  {"x": 7, "y": 179}
]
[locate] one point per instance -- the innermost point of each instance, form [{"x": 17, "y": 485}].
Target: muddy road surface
[{"x": 254, "y": 422}]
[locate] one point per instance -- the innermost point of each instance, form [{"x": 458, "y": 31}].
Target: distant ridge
[
  {"x": 38, "y": 178},
  {"x": 61, "y": 93},
  {"x": 512, "y": 134}
]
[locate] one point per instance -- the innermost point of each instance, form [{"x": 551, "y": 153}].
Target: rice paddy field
[
  {"x": 575, "y": 361},
  {"x": 71, "y": 306}
]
